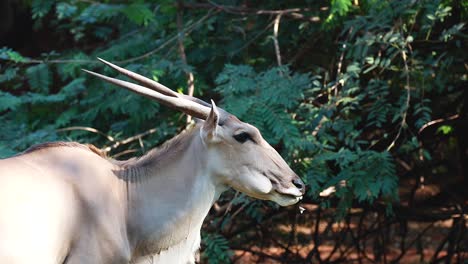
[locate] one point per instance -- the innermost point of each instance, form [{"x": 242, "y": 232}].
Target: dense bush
[{"x": 343, "y": 89}]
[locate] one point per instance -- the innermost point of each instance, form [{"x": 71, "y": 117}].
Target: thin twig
[
  {"x": 242, "y": 11},
  {"x": 442, "y": 244},
  {"x": 89, "y": 129},
  {"x": 275, "y": 38},
  {"x": 35, "y": 61},
  {"x": 240, "y": 209},
  {"x": 294, "y": 13},
  {"x": 419, "y": 236},
  {"x": 188, "y": 30},
  {"x": 142, "y": 144},
  {"x": 227, "y": 208},
  {"x": 180, "y": 34},
  {"x": 436, "y": 121},
  {"x": 89, "y": 1},
  {"x": 128, "y": 151},
  {"x": 62, "y": 61},
  {"x": 338, "y": 72},
  {"x": 170, "y": 40},
  {"x": 408, "y": 98},
  {"x": 259, "y": 253},
  {"x": 253, "y": 39},
  {"x": 316, "y": 237},
  {"x": 338, "y": 82},
  {"x": 128, "y": 140}
]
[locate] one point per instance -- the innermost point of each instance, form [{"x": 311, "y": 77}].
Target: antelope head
[{"x": 239, "y": 156}]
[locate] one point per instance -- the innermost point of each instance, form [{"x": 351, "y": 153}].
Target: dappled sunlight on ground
[{"x": 360, "y": 238}]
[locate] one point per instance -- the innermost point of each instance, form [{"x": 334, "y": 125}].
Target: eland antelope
[{"x": 67, "y": 203}]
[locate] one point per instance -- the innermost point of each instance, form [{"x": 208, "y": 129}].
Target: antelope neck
[{"x": 171, "y": 195}]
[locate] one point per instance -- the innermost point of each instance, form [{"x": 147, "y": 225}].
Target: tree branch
[
  {"x": 187, "y": 30},
  {"x": 294, "y": 13},
  {"x": 408, "y": 98},
  {"x": 89, "y": 129},
  {"x": 183, "y": 57},
  {"x": 128, "y": 140},
  {"x": 275, "y": 39},
  {"x": 35, "y": 61},
  {"x": 440, "y": 120},
  {"x": 338, "y": 82},
  {"x": 253, "y": 39}
]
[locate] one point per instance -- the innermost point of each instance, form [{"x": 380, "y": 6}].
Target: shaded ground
[
  {"x": 428, "y": 226},
  {"x": 361, "y": 238}
]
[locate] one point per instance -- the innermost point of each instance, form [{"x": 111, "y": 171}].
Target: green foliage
[
  {"x": 338, "y": 9},
  {"x": 352, "y": 94},
  {"x": 41, "y": 8},
  {"x": 65, "y": 10},
  {"x": 8, "y": 101},
  {"x": 139, "y": 14},
  {"x": 39, "y": 78},
  {"x": 264, "y": 99},
  {"x": 341, "y": 7},
  {"x": 216, "y": 249},
  {"x": 9, "y": 54}
]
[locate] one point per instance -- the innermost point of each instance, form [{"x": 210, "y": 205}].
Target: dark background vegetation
[{"x": 367, "y": 97}]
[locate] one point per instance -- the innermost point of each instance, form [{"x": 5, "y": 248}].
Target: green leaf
[
  {"x": 39, "y": 77},
  {"x": 139, "y": 14},
  {"x": 9, "y": 101},
  {"x": 9, "y": 54},
  {"x": 40, "y": 8},
  {"x": 445, "y": 129},
  {"x": 216, "y": 249},
  {"x": 65, "y": 10},
  {"x": 8, "y": 75},
  {"x": 341, "y": 7}
]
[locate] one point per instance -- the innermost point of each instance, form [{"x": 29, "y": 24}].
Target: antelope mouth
[
  {"x": 285, "y": 199},
  {"x": 283, "y": 195},
  {"x": 290, "y": 195}
]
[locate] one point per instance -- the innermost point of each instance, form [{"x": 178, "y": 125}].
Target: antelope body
[{"x": 66, "y": 203}]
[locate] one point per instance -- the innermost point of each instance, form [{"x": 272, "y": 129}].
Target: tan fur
[{"x": 47, "y": 145}]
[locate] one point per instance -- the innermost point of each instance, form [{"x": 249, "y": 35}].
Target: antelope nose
[{"x": 299, "y": 184}]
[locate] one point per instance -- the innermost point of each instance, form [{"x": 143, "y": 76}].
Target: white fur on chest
[{"x": 181, "y": 253}]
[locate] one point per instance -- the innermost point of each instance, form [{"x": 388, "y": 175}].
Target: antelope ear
[{"x": 209, "y": 129}]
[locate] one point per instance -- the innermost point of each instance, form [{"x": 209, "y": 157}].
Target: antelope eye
[{"x": 242, "y": 137}]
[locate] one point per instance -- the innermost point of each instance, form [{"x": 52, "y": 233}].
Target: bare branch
[
  {"x": 213, "y": 8},
  {"x": 408, "y": 98},
  {"x": 180, "y": 34},
  {"x": 440, "y": 120},
  {"x": 35, "y": 61},
  {"x": 275, "y": 38},
  {"x": 89, "y": 129},
  {"x": 128, "y": 140},
  {"x": 294, "y": 13},
  {"x": 338, "y": 81},
  {"x": 187, "y": 30},
  {"x": 128, "y": 151},
  {"x": 254, "y": 38}
]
